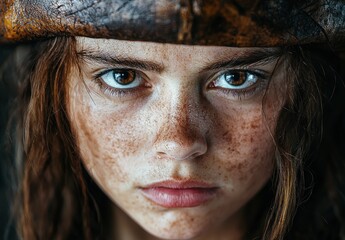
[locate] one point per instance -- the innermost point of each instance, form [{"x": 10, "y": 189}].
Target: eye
[
  {"x": 121, "y": 79},
  {"x": 235, "y": 79}
]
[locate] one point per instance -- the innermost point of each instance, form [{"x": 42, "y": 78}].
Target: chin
[
  {"x": 176, "y": 230},
  {"x": 174, "y": 235}
]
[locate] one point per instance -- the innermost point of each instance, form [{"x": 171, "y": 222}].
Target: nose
[{"x": 182, "y": 134}]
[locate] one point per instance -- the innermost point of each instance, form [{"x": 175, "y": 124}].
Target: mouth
[{"x": 177, "y": 194}]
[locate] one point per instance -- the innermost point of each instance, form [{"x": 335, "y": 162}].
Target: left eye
[
  {"x": 235, "y": 80},
  {"x": 121, "y": 78}
]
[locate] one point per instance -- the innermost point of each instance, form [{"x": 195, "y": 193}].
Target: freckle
[
  {"x": 239, "y": 166},
  {"x": 269, "y": 105},
  {"x": 230, "y": 168},
  {"x": 227, "y": 137},
  {"x": 226, "y": 133},
  {"x": 254, "y": 125}
]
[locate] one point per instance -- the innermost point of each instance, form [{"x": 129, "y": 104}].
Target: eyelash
[
  {"x": 261, "y": 83},
  {"x": 118, "y": 92},
  {"x": 239, "y": 94}
]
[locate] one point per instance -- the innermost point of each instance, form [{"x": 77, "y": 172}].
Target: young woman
[{"x": 121, "y": 139}]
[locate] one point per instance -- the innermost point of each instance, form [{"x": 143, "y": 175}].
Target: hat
[{"x": 242, "y": 23}]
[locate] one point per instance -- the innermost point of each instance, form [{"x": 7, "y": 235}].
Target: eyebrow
[
  {"x": 105, "y": 58},
  {"x": 257, "y": 56}
]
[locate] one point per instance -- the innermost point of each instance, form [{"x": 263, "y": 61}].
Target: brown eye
[
  {"x": 236, "y": 79},
  {"x": 122, "y": 79}
]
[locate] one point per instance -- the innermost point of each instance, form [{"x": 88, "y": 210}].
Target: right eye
[{"x": 121, "y": 79}]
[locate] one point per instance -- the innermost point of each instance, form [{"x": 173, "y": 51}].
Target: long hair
[
  {"x": 58, "y": 201},
  {"x": 54, "y": 198},
  {"x": 322, "y": 203}
]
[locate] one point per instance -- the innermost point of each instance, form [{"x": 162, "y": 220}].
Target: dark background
[{"x": 6, "y": 98}]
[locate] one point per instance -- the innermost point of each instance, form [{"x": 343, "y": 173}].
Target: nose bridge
[
  {"x": 181, "y": 134},
  {"x": 181, "y": 110}
]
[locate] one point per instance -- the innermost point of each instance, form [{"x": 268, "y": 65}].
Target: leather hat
[{"x": 242, "y": 23}]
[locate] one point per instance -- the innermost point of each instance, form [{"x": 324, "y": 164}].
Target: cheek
[
  {"x": 244, "y": 148},
  {"x": 104, "y": 139}
]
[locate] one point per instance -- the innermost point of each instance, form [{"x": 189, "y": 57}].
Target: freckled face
[{"x": 147, "y": 113}]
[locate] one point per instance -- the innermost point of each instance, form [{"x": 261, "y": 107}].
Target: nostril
[
  {"x": 160, "y": 155},
  {"x": 178, "y": 151},
  {"x": 197, "y": 154}
]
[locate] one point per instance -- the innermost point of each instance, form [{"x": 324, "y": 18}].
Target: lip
[{"x": 177, "y": 194}]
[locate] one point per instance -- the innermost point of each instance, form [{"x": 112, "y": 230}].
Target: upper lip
[{"x": 178, "y": 184}]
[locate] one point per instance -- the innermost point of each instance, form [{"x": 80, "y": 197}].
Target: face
[{"x": 179, "y": 137}]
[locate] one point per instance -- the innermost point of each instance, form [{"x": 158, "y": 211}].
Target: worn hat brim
[{"x": 240, "y": 23}]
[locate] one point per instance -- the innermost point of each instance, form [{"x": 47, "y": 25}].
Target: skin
[{"x": 176, "y": 126}]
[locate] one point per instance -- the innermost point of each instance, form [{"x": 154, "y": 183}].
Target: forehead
[{"x": 165, "y": 51}]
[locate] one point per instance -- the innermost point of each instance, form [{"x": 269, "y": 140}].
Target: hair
[{"x": 57, "y": 199}]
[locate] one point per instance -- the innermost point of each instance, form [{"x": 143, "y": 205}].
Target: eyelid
[
  {"x": 99, "y": 69},
  {"x": 102, "y": 71},
  {"x": 114, "y": 93},
  {"x": 99, "y": 73},
  {"x": 262, "y": 74},
  {"x": 239, "y": 94}
]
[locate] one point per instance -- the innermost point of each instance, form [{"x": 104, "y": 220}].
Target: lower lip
[{"x": 179, "y": 197}]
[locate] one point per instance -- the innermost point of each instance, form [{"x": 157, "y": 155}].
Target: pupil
[
  {"x": 124, "y": 77},
  {"x": 235, "y": 78}
]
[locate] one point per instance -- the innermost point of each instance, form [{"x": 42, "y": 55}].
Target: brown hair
[
  {"x": 54, "y": 197},
  {"x": 302, "y": 132},
  {"x": 58, "y": 200}
]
